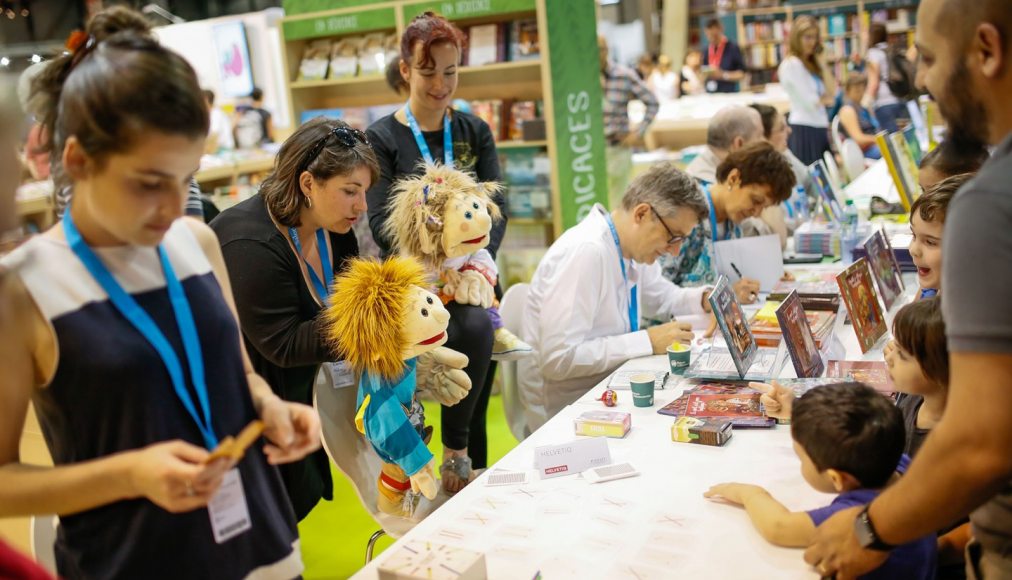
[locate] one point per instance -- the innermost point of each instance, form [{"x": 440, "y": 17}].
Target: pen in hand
[{"x": 736, "y": 270}]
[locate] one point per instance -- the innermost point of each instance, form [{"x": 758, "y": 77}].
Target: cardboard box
[
  {"x": 603, "y": 423},
  {"x": 419, "y": 560},
  {"x": 715, "y": 432}
]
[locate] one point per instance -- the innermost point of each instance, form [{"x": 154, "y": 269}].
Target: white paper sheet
[{"x": 759, "y": 258}]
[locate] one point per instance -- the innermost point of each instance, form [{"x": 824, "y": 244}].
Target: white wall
[{"x": 195, "y": 42}]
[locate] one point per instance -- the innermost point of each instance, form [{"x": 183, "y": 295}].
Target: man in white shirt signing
[{"x": 595, "y": 285}]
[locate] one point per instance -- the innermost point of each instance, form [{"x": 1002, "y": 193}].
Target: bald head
[
  {"x": 960, "y": 19},
  {"x": 734, "y": 127}
]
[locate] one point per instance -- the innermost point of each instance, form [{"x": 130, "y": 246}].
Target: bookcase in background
[
  {"x": 525, "y": 72},
  {"x": 763, "y": 33}
]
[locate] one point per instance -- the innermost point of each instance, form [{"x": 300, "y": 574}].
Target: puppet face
[
  {"x": 425, "y": 322},
  {"x": 466, "y": 225}
]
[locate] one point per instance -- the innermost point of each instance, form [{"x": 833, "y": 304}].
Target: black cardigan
[
  {"x": 280, "y": 323},
  {"x": 398, "y": 155}
]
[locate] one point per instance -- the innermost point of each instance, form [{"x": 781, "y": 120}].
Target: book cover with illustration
[
  {"x": 798, "y": 335},
  {"x": 883, "y": 267},
  {"x": 735, "y": 402},
  {"x": 875, "y": 374},
  {"x": 862, "y": 303},
  {"x": 733, "y": 325},
  {"x": 767, "y": 329}
]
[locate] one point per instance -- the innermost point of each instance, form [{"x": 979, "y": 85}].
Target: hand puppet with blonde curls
[
  {"x": 444, "y": 217},
  {"x": 382, "y": 318}
]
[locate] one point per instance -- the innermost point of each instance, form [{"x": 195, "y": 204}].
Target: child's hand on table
[{"x": 735, "y": 493}]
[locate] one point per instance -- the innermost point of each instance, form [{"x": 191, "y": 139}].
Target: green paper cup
[
  {"x": 642, "y": 385},
  {"x": 678, "y": 357}
]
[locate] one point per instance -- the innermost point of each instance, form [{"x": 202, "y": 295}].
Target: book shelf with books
[
  {"x": 764, "y": 32},
  {"x": 505, "y": 76}
]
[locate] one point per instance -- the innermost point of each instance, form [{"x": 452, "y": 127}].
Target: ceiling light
[
  {"x": 36, "y": 59},
  {"x": 4, "y": 61}
]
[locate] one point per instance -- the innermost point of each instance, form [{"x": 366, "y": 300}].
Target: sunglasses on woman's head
[{"x": 346, "y": 136}]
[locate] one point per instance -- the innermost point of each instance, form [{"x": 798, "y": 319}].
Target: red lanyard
[{"x": 717, "y": 55}]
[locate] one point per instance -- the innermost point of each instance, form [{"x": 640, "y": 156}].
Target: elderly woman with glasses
[{"x": 283, "y": 248}]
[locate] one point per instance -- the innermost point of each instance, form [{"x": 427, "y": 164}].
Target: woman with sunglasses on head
[
  {"x": 127, "y": 342},
  {"x": 428, "y": 130},
  {"x": 283, "y": 248}
]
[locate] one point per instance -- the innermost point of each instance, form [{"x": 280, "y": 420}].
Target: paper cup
[
  {"x": 642, "y": 386},
  {"x": 679, "y": 356}
]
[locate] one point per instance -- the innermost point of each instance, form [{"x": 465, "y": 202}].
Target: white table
[{"x": 657, "y": 525}]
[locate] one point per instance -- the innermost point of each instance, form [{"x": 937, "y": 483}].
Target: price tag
[
  {"x": 341, "y": 374},
  {"x": 228, "y": 510}
]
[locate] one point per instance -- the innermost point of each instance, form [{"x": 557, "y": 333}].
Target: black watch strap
[{"x": 866, "y": 534}]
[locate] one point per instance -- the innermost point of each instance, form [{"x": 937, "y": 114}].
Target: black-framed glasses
[
  {"x": 674, "y": 238},
  {"x": 346, "y": 136}
]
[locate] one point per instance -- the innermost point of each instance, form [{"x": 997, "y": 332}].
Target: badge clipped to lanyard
[
  {"x": 634, "y": 311},
  {"x": 228, "y": 510},
  {"x": 423, "y": 147},
  {"x": 340, "y": 372}
]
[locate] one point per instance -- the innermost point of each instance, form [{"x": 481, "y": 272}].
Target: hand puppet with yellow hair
[
  {"x": 444, "y": 218},
  {"x": 382, "y": 318}
]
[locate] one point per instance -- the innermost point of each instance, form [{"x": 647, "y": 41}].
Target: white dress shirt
[
  {"x": 577, "y": 316},
  {"x": 805, "y": 92}
]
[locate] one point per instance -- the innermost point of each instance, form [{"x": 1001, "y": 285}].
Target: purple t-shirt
[{"x": 917, "y": 560}]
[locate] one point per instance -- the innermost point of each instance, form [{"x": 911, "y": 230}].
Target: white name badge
[
  {"x": 341, "y": 374},
  {"x": 228, "y": 510},
  {"x": 572, "y": 457}
]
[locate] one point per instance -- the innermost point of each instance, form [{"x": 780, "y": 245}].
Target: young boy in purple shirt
[{"x": 850, "y": 441}]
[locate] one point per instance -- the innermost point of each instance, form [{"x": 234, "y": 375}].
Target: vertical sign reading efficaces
[{"x": 578, "y": 117}]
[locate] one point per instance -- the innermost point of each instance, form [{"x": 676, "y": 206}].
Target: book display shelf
[
  {"x": 524, "y": 72},
  {"x": 763, "y": 30}
]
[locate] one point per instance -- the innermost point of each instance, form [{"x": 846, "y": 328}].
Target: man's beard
[{"x": 964, "y": 113}]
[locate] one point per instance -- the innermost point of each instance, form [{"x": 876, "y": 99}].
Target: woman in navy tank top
[{"x": 127, "y": 342}]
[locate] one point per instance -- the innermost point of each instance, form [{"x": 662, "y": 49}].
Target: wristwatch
[{"x": 866, "y": 534}]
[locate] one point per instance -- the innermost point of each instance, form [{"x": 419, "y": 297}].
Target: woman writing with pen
[{"x": 748, "y": 181}]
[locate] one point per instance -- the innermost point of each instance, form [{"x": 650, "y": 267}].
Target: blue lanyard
[
  {"x": 634, "y": 310},
  {"x": 420, "y": 140},
  {"x": 322, "y": 289},
  {"x": 141, "y": 320},
  {"x": 713, "y": 219}
]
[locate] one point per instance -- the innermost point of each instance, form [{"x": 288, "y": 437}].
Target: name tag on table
[
  {"x": 228, "y": 510},
  {"x": 341, "y": 374},
  {"x": 573, "y": 457}
]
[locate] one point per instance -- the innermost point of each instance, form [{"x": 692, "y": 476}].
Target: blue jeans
[
  {"x": 873, "y": 152},
  {"x": 887, "y": 115}
]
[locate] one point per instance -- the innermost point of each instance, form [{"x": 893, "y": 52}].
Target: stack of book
[
  {"x": 766, "y": 327},
  {"x": 527, "y": 172},
  {"x": 501, "y": 42},
  {"x": 818, "y": 238}
]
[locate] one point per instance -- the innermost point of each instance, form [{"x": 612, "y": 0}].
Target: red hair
[{"x": 429, "y": 28}]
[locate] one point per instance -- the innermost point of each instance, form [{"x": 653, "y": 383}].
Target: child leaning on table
[{"x": 850, "y": 441}]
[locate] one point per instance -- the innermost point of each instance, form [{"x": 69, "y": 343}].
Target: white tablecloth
[{"x": 656, "y": 525}]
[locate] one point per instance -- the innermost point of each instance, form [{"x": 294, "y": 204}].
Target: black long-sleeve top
[
  {"x": 398, "y": 154},
  {"x": 280, "y": 321}
]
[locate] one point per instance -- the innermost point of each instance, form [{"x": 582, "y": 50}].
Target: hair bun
[{"x": 117, "y": 19}]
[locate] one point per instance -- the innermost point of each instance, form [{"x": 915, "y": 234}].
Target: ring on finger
[{"x": 190, "y": 492}]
